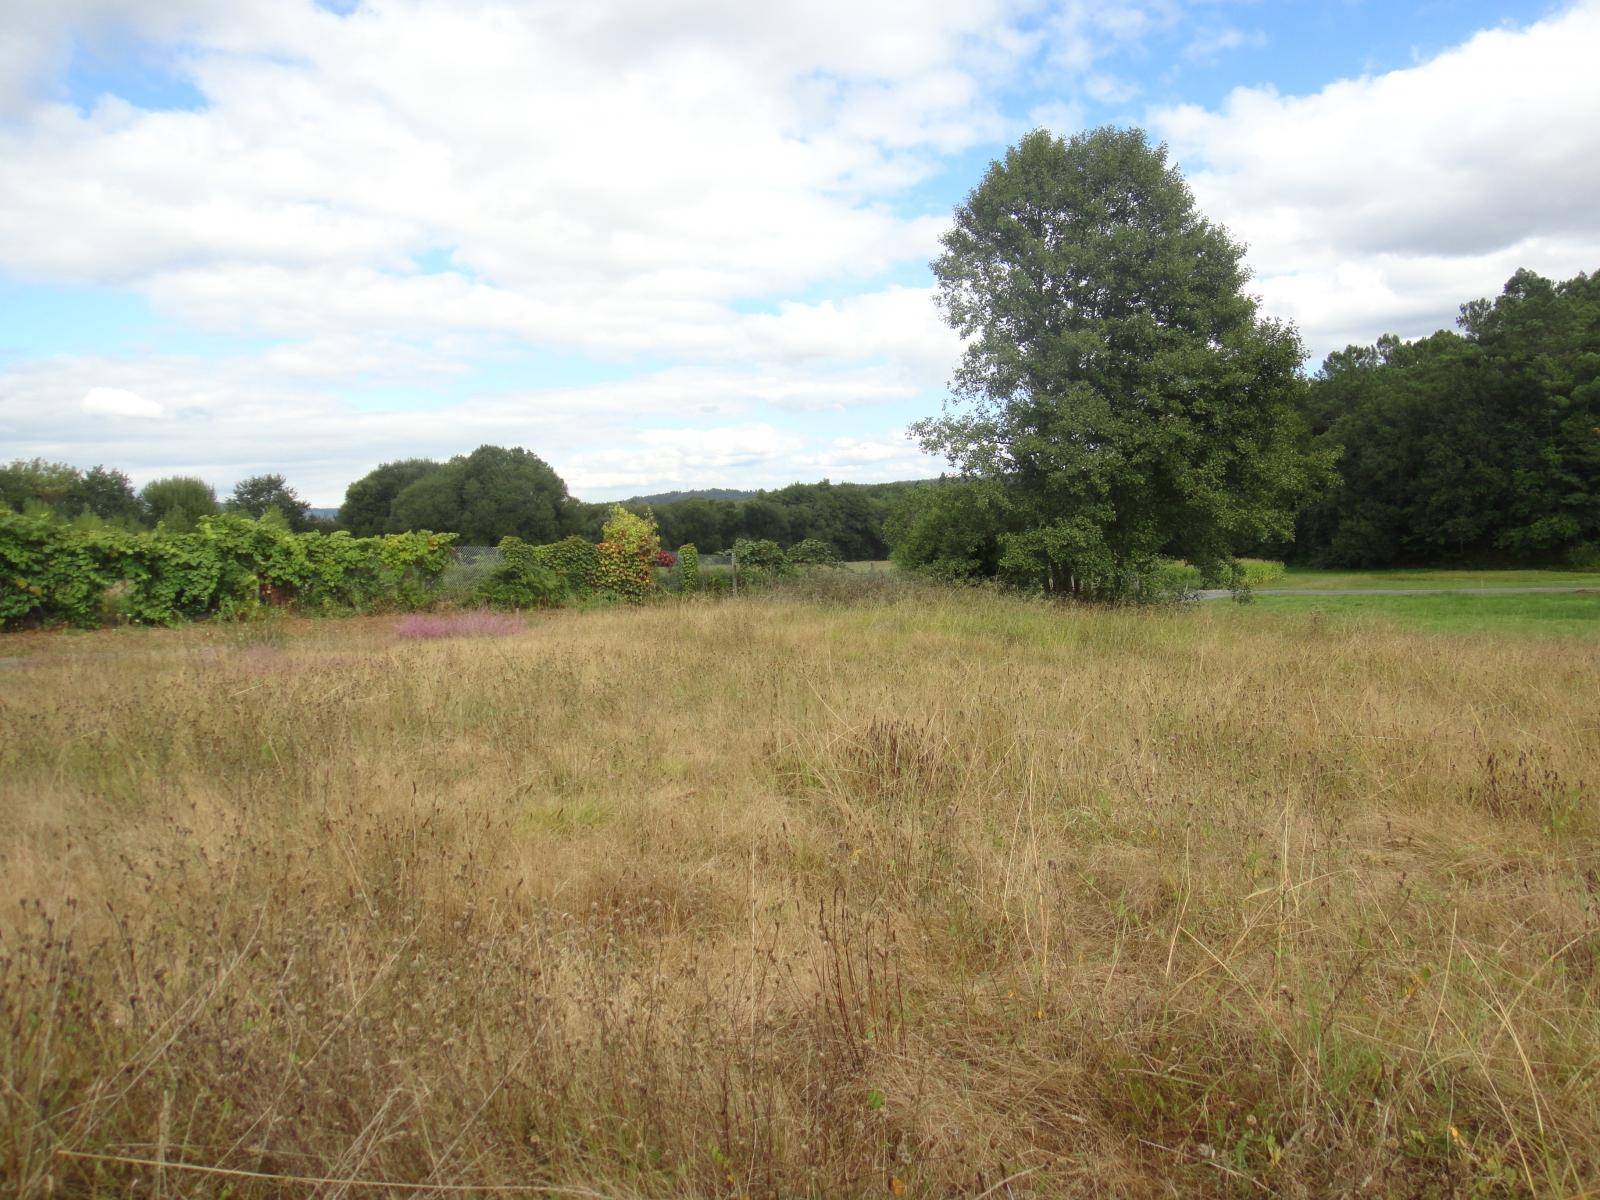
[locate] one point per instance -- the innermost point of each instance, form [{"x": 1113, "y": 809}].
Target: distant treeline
[
  {"x": 495, "y": 492},
  {"x": 491, "y": 493},
  {"x": 105, "y": 495}
]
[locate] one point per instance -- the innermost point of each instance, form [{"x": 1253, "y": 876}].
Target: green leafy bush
[
  {"x": 54, "y": 572},
  {"x": 813, "y": 552},
  {"x": 1585, "y": 557},
  {"x": 949, "y": 530},
  {"x": 760, "y": 554}
]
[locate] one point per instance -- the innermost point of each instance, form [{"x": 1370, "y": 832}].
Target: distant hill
[
  {"x": 328, "y": 513},
  {"x": 737, "y": 494},
  {"x": 696, "y": 494}
]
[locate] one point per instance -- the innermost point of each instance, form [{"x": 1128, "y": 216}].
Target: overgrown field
[{"x": 936, "y": 895}]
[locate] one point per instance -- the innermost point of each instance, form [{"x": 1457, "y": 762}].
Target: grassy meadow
[
  {"x": 1299, "y": 578},
  {"x": 1526, "y": 614},
  {"x": 927, "y": 894}
]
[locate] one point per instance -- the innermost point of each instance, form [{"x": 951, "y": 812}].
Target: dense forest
[{"x": 1472, "y": 447}]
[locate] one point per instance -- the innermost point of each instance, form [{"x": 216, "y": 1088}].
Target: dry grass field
[{"x": 926, "y": 896}]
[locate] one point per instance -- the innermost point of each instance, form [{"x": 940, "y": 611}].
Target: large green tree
[
  {"x": 489, "y": 494},
  {"x": 1118, "y": 382},
  {"x": 177, "y": 501},
  {"x": 369, "y": 501},
  {"x": 107, "y": 493},
  {"x": 260, "y": 494}
]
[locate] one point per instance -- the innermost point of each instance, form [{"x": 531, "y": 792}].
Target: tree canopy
[
  {"x": 1475, "y": 447},
  {"x": 489, "y": 494},
  {"x": 950, "y": 529},
  {"x": 368, "y": 506},
  {"x": 178, "y": 501},
  {"x": 260, "y": 494},
  {"x": 1118, "y": 383},
  {"x": 102, "y": 492}
]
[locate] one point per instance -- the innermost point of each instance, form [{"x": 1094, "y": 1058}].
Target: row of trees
[
  {"x": 496, "y": 492},
  {"x": 1474, "y": 448},
  {"x": 491, "y": 493},
  {"x": 176, "y": 502},
  {"x": 848, "y": 517}
]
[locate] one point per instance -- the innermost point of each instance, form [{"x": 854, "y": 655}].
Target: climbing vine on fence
[
  {"x": 572, "y": 559},
  {"x": 688, "y": 568},
  {"x": 55, "y": 572},
  {"x": 626, "y": 555}
]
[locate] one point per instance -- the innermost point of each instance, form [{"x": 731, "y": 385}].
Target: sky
[{"x": 675, "y": 245}]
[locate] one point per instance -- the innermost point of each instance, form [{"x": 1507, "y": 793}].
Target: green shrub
[
  {"x": 626, "y": 556},
  {"x": 1585, "y": 557},
  {"x": 948, "y": 530},
  {"x": 53, "y": 572},
  {"x": 760, "y": 554},
  {"x": 813, "y": 552}
]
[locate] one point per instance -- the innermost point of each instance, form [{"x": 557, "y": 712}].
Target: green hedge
[{"x": 55, "y": 573}]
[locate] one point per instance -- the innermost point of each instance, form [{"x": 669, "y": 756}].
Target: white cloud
[
  {"x": 609, "y": 173},
  {"x": 1381, "y": 203},
  {"x": 119, "y": 402},
  {"x": 1212, "y": 44},
  {"x": 39, "y": 34},
  {"x": 899, "y": 324}
]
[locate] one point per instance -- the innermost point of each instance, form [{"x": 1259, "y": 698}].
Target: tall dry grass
[{"x": 927, "y": 896}]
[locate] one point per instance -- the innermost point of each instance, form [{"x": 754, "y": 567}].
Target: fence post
[{"x": 733, "y": 557}]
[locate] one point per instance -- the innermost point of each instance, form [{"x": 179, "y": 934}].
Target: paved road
[{"x": 1223, "y": 593}]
